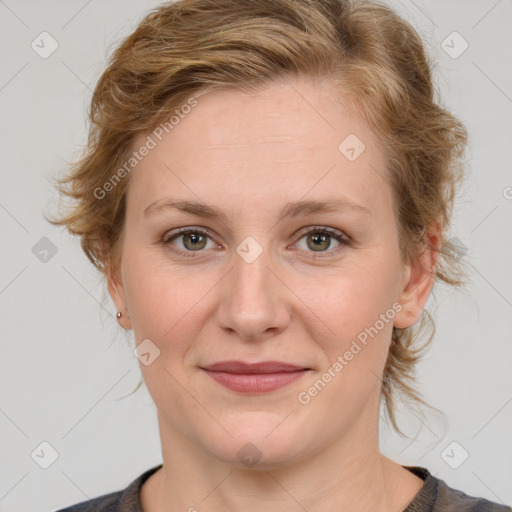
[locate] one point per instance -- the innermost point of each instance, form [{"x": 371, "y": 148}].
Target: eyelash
[{"x": 337, "y": 235}]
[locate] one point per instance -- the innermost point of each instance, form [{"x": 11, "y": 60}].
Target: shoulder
[
  {"x": 126, "y": 500},
  {"x": 106, "y": 503},
  {"x": 453, "y": 499},
  {"x": 437, "y": 496}
]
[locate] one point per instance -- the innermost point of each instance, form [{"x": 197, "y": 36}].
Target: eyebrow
[{"x": 289, "y": 210}]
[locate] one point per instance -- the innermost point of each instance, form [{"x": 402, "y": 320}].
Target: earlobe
[
  {"x": 419, "y": 280},
  {"x": 117, "y": 294}
]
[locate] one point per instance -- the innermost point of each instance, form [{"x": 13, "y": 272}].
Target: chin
[{"x": 260, "y": 441}]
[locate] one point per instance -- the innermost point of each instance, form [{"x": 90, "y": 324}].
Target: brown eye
[
  {"x": 188, "y": 241},
  {"x": 194, "y": 241},
  {"x": 318, "y": 241}
]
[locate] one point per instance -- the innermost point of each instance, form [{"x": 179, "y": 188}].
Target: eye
[
  {"x": 189, "y": 240},
  {"x": 317, "y": 239},
  {"x": 320, "y": 240}
]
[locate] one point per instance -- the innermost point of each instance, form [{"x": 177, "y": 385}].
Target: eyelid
[
  {"x": 315, "y": 228},
  {"x": 188, "y": 229}
]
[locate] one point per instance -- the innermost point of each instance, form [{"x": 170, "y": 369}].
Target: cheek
[
  {"x": 157, "y": 297},
  {"x": 353, "y": 311},
  {"x": 164, "y": 308},
  {"x": 351, "y": 297},
  {"x": 355, "y": 356}
]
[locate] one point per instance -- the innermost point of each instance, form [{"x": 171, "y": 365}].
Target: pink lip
[{"x": 256, "y": 377}]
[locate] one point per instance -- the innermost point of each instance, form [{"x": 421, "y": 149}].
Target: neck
[{"x": 348, "y": 475}]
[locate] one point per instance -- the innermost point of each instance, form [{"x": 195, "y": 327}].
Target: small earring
[{"x": 119, "y": 315}]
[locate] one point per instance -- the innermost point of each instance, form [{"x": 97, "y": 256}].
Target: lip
[
  {"x": 254, "y": 378},
  {"x": 251, "y": 368}
]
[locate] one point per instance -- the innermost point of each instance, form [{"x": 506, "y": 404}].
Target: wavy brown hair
[{"x": 363, "y": 50}]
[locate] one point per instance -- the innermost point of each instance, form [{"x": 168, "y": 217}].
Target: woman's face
[{"x": 253, "y": 282}]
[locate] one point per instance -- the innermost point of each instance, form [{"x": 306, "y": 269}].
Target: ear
[
  {"x": 419, "y": 279},
  {"x": 117, "y": 294}
]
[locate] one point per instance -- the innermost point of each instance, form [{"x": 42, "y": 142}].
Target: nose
[{"x": 255, "y": 302}]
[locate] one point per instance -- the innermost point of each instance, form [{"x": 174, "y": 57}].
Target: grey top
[{"x": 434, "y": 496}]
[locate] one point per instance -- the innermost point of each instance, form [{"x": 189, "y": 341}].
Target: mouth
[{"x": 254, "y": 378}]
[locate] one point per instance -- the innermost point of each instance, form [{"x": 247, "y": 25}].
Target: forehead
[{"x": 284, "y": 140}]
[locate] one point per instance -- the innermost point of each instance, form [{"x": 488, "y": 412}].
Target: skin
[{"x": 249, "y": 155}]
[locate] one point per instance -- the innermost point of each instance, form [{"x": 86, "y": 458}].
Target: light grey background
[{"x": 66, "y": 364}]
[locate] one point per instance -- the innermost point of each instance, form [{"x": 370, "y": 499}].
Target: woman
[{"x": 267, "y": 189}]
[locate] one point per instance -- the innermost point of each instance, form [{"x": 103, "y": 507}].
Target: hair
[{"x": 362, "y": 50}]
